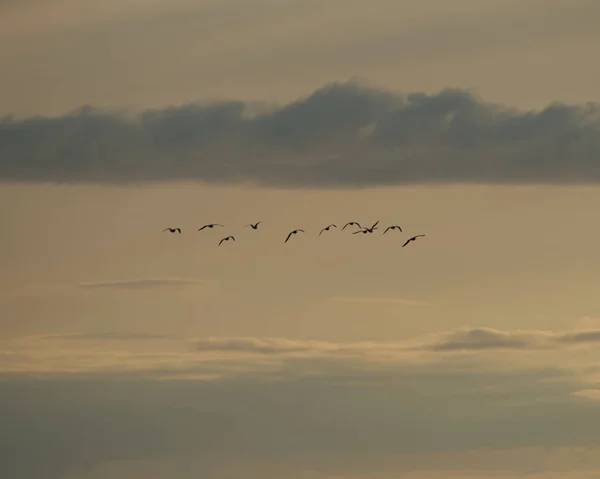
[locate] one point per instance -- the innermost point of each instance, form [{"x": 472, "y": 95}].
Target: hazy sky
[{"x": 127, "y": 352}]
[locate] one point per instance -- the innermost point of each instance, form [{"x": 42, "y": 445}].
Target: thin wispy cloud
[
  {"x": 375, "y": 299},
  {"x": 593, "y": 394},
  {"x": 107, "y": 336},
  {"x": 147, "y": 283},
  {"x": 344, "y": 134}
]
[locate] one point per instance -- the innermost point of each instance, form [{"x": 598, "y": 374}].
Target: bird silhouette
[
  {"x": 173, "y": 230},
  {"x": 411, "y": 239},
  {"x": 211, "y": 225},
  {"x": 227, "y": 238},
  {"x": 292, "y": 233},
  {"x": 327, "y": 228},
  {"x": 395, "y": 227},
  {"x": 351, "y": 223},
  {"x": 368, "y": 230},
  {"x": 255, "y": 225}
]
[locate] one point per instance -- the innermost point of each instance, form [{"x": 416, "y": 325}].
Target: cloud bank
[
  {"x": 310, "y": 403},
  {"x": 343, "y": 135}
]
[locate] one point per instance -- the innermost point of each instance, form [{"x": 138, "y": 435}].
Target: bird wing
[
  {"x": 376, "y": 223},
  {"x": 300, "y": 230},
  {"x": 215, "y": 224},
  {"x": 288, "y": 237},
  {"x": 221, "y": 241},
  {"x": 419, "y": 236},
  {"x": 166, "y": 229},
  {"x": 407, "y": 241},
  {"x": 232, "y": 238},
  {"x": 386, "y": 230},
  {"x": 321, "y": 231},
  {"x": 178, "y": 229},
  {"x": 356, "y": 232},
  {"x": 205, "y": 226}
]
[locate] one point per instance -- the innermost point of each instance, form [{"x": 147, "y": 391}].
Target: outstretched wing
[
  {"x": 232, "y": 238},
  {"x": 221, "y": 241},
  {"x": 205, "y": 226},
  {"x": 178, "y": 229},
  {"x": 388, "y": 228},
  {"x": 288, "y": 236}
]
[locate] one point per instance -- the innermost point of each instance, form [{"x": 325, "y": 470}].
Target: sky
[{"x": 128, "y": 352}]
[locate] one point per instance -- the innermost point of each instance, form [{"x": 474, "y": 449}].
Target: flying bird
[
  {"x": 227, "y": 238},
  {"x": 327, "y": 228},
  {"x": 395, "y": 227},
  {"x": 411, "y": 239},
  {"x": 351, "y": 223},
  {"x": 173, "y": 230},
  {"x": 368, "y": 230},
  {"x": 292, "y": 233},
  {"x": 255, "y": 225},
  {"x": 211, "y": 225}
]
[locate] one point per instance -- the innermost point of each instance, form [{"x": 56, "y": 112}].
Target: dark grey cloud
[
  {"x": 54, "y": 426},
  {"x": 344, "y": 135}
]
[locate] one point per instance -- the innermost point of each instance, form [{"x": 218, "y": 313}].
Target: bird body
[
  {"x": 395, "y": 227},
  {"x": 293, "y": 233},
  {"x": 173, "y": 230},
  {"x": 227, "y": 238},
  {"x": 327, "y": 228},
  {"x": 411, "y": 239},
  {"x": 210, "y": 225},
  {"x": 255, "y": 225}
]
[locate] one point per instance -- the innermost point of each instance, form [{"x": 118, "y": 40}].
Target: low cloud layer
[
  {"x": 309, "y": 403},
  {"x": 344, "y": 135}
]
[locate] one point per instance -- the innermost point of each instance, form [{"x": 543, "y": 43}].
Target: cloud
[
  {"x": 485, "y": 338},
  {"x": 145, "y": 283},
  {"x": 593, "y": 394},
  {"x": 358, "y": 299},
  {"x": 463, "y": 340},
  {"x": 107, "y": 336},
  {"x": 344, "y": 134},
  {"x": 163, "y": 356}
]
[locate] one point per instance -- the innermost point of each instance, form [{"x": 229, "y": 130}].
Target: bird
[
  {"x": 292, "y": 233},
  {"x": 211, "y": 225},
  {"x": 173, "y": 230},
  {"x": 327, "y": 228},
  {"x": 227, "y": 238},
  {"x": 368, "y": 230},
  {"x": 395, "y": 227},
  {"x": 351, "y": 223},
  {"x": 255, "y": 225},
  {"x": 411, "y": 239}
]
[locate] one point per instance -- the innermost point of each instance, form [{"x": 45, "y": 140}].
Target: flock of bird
[{"x": 254, "y": 226}]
